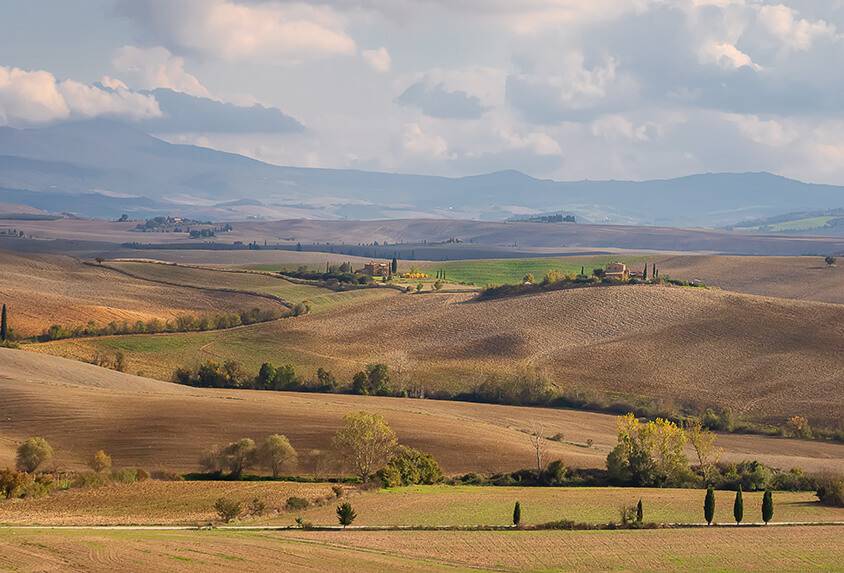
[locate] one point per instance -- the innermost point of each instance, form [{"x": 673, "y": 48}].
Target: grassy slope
[
  {"x": 492, "y": 272},
  {"x": 472, "y": 505},
  {"x": 141, "y": 422}
]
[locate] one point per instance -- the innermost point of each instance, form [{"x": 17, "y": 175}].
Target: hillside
[
  {"x": 81, "y": 408},
  {"x": 41, "y": 290},
  {"x": 764, "y": 358},
  {"x": 134, "y": 172}
]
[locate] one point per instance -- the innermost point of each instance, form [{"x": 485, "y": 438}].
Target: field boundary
[{"x": 538, "y": 527}]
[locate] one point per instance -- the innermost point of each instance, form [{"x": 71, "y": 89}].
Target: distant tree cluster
[
  {"x": 182, "y": 323},
  {"x": 274, "y": 453}
]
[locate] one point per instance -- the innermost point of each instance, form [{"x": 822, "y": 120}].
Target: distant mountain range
[{"x": 103, "y": 168}]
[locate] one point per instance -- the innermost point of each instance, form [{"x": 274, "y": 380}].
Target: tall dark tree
[
  {"x": 640, "y": 512},
  {"x": 645, "y": 272},
  {"x": 394, "y": 266},
  {"x": 517, "y": 514},
  {"x": 738, "y": 506},
  {"x": 709, "y": 505},
  {"x": 767, "y": 506},
  {"x": 4, "y": 325}
]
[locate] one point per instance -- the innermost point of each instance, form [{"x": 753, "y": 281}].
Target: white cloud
[
  {"x": 796, "y": 33},
  {"x": 727, "y": 56},
  {"x": 772, "y": 132},
  {"x": 233, "y": 31},
  {"x": 418, "y": 142},
  {"x": 32, "y": 97},
  {"x": 618, "y": 127},
  {"x": 150, "y": 68},
  {"x": 379, "y": 60}
]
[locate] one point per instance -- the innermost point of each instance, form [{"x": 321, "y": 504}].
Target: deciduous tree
[
  {"x": 33, "y": 453},
  {"x": 275, "y": 452},
  {"x": 365, "y": 442}
]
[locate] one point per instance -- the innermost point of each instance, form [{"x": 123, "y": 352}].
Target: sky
[{"x": 562, "y": 89}]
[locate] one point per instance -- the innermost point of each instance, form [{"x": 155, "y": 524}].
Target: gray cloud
[
  {"x": 186, "y": 113},
  {"x": 437, "y": 101}
]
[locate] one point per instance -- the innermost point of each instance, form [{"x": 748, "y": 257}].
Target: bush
[
  {"x": 12, "y": 483},
  {"x": 345, "y": 514},
  {"x": 554, "y": 474},
  {"x": 296, "y": 503},
  {"x": 257, "y": 507},
  {"x": 101, "y": 462},
  {"x": 125, "y": 475},
  {"x": 228, "y": 509},
  {"x": 166, "y": 475},
  {"x": 33, "y": 453},
  {"x": 408, "y": 466},
  {"x": 338, "y": 490},
  {"x": 830, "y": 490}
]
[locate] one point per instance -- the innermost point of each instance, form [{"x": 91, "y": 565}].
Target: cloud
[
  {"x": 726, "y": 55},
  {"x": 150, "y": 68},
  {"x": 417, "y": 142},
  {"x": 796, "y": 33},
  {"x": 33, "y": 97},
  {"x": 184, "y": 113},
  {"x": 379, "y": 60},
  {"x": 231, "y": 31},
  {"x": 438, "y": 101}
]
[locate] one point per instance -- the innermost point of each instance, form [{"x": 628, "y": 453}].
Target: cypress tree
[
  {"x": 394, "y": 266},
  {"x": 640, "y": 514},
  {"x": 517, "y": 514},
  {"x": 738, "y": 506},
  {"x": 4, "y": 325},
  {"x": 767, "y": 506},
  {"x": 709, "y": 505},
  {"x": 645, "y": 272}
]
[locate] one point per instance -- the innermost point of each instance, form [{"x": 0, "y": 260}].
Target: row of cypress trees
[
  {"x": 708, "y": 508},
  {"x": 738, "y": 506}
]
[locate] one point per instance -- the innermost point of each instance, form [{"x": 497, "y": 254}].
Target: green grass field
[
  {"x": 493, "y": 272},
  {"x": 805, "y": 224},
  {"x": 474, "y": 505}
]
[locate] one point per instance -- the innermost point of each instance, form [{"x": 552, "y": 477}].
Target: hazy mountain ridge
[{"x": 121, "y": 161}]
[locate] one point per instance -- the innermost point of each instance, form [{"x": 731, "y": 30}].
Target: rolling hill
[
  {"x": 80, "y": 408},
  {"x": 110, "y": 168},
  {"x": 764, "y": 358}
]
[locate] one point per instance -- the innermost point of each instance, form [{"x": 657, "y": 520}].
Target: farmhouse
[
  {"x": 375, "y": 269},
  {"x": 617, "y": 271}
]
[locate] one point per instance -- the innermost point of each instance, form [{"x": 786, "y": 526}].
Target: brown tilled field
[
  {"x": 803, "y": 278},
  {"x": 146, "y": 423},
  {"x": 41, "y": 290},
  {"x": 783, "y": 549},
  {"x": 764, "y": 358}
]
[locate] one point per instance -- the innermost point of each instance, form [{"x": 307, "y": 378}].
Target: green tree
[
  {"x": 640, "y": 513},
  {"x": 649, "y": 453},
  {"x": 517, "y": 514},
  {"x": 345, "y": 514},
  {"x": 33, "y": 453},
  {"x": 275, "y": 452},
  {"x": 365, "y": 442},
  {"x": 359, "y": 383},
  {"x": 829, "y": 260},
  {"x": 738, "y": 506},
  {"x": 767, "y": 506},
  {"x": 394, "y": 265},
  {"x": 4, "y": 325},
  {"x": 409, "y": 466},
  {"x": 266, "y": 375},
  {"x": 378, "y": 379},
  {"x": 709, "y": 505}
]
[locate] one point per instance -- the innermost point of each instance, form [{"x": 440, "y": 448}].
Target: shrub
[
  {"x": 257, "y": 507},
  {"x": 627, "y": 514},
  {"x": 296, "y": 503},
  {"x": 345, "y": 514},
  {"x": 228, "y": 509},
  {"x": 13, "y": 482},
  {"x": 408, "y": 466},
  {"x": 141, "y": 474},
  {"x": 554, "y": 474},
  {"x": 338, "y": 490},
  {"x": 33, "y": 453},
  {"x": 125, "y": 475},
  {"x": 101, "y": 462},
  {"x": 830, "y": 490},
  {"x": 89, "y": 480},
  {"x": 166, "y": 475},
  {"x": 798, "y": 427}
]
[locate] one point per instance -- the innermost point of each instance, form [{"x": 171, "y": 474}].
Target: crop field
[
  {"x": 151, "y": 424},
  {"x": 724, "y": 549},
  {"x": 493, "y": 272},
  {"x": 153, "y": 502},
  {"x": 481, "y": 505},
  {"x": 41, "y": 290},
  {"x": 764, "y": 358}
]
